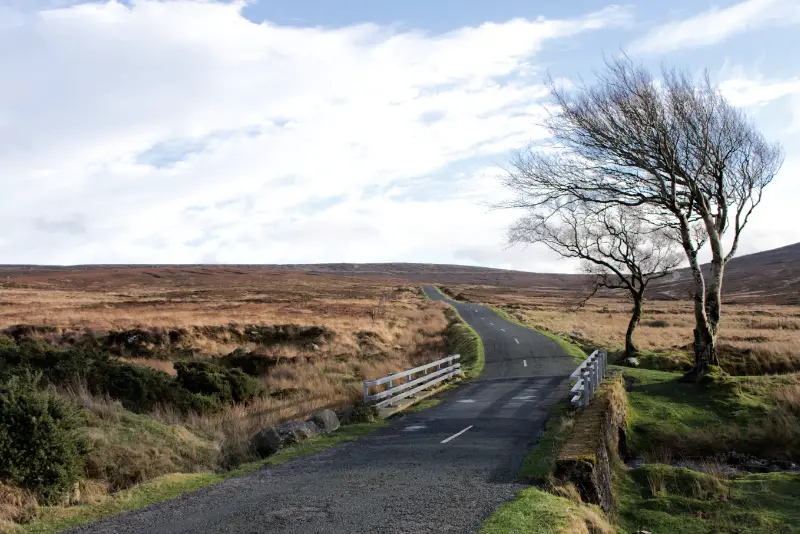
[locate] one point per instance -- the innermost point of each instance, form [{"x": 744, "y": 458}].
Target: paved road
[{"x": 442, "y": 470}]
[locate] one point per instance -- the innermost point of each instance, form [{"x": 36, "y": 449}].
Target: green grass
[
  {"x": 541, "y": 461},
  {"x": 464, "y": 340},
  {"x": 577, "y": 353},
  {"x": 661, "y": 498},
  {"x": 694, "y": 420},
  {"x": 55, "y": 518},
  {"x": 537, "y": 512},
  {"x": 669, "y": 419}
]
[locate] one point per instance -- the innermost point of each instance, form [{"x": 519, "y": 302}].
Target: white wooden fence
[
  {"x": 406, "y": 384},
  {"x": 589, "y": 374}
]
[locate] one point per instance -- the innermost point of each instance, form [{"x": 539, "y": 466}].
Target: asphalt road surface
[{"x": 442, "y": 470}]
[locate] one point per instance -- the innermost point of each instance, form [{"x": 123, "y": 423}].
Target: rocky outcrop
[{"x": 596, "y": 440}]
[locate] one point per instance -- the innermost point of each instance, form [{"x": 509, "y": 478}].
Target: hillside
[{"x": 770, "y": 276}]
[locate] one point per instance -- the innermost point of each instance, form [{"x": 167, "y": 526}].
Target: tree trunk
[
  {"x": 704, "y": 336},
  {"x": 636, "y": 315},
  {"x": 705, "y": 350}
]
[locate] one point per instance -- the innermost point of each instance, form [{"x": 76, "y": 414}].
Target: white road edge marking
[
  {"x": 525, "y": 363},
  {"x": 454, "y": 436},
  {"x": 517, "y": 340}
]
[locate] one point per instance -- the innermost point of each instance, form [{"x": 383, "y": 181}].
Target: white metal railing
[
  {"x": 408, "y": 384},
  {"x": 589, "y": 374}
]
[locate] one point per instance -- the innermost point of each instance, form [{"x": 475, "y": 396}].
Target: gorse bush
[
  {"x": 226, "y": 385},
  {"x": 199, "y": 387},
  {"x": 253, "y": 364},
  {"x": 38, "y": 447}
]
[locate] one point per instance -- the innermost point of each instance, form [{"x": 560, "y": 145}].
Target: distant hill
[{"x": 769, "y": 276}]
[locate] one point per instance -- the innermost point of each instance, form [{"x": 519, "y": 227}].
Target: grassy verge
[
  {"x": 57, "y": 518},
  {"x": 537, "y": 512},
  {"x": 464, "y": 340},
  {"x": 541, "y": 461},
  {"x": 662, "y": 498},
  {"x": 670, "y": 421},
  {"x": 577, "y": 353}
]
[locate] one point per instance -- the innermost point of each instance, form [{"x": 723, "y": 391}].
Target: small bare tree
[
  {"x": 674, "y": 146},
  {"x": 616, "y": 244}
]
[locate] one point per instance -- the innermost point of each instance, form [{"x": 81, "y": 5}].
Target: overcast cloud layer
[{"x": 183, "y": 132}]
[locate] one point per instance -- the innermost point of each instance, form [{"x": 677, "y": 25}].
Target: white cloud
[
  {"x": 716, "y": 25},
  {"x": 746, "y": 92},
  {"x": 178, "y": 131}
]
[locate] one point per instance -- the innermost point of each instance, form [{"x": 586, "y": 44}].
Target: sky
[{"x": 311, "y": 131}]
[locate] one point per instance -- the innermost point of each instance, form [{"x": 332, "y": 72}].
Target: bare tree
[
  {"x": 616, "y": 244},
  {"x": 675, "y": 147}
]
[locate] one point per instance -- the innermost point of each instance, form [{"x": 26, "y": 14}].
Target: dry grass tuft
[{"x": 16, "y": 506}]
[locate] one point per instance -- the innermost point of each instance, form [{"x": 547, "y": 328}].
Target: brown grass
[
  {"x": 378, "y": 327},
  {"x": 753, "y": 339}
]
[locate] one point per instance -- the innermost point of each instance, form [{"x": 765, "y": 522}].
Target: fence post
[
  {"x": 366, "y": 390},
  {"x": 586, "y": 385}
]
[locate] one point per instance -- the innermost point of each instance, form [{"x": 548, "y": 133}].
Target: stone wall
[{"x": 595, "y": 442}]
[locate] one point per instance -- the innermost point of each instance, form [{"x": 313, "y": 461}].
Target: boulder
[
  {"x": 269, "y": 440},
  {"x": 326, "y": 420},
  {"x": 632, "y": 362}
]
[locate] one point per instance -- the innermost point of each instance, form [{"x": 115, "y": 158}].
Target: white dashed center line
[
  {"x": 502, "y": 329},
  {"x": 454, "y": 436},
  {"x": 525, "y": 363},
  {"x": 517, "y": 340}
]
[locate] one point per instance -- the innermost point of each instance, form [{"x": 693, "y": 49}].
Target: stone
[
  {"x": 269, "y": 440},
  {"x": 632, "y": 362},
  {"x": 326, "y": 420}
]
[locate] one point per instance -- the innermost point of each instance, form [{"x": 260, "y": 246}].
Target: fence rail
[
  {"x": 432, "y": 373},
  {"x": 588, "y": 376}
]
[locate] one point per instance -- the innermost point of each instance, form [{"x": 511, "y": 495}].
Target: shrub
[
  {"x": 227, "y": 385},
  {"x": 253, "y": 364},
  {"x": 363, "y": 412},
  {"x": 39, "y": 450}
]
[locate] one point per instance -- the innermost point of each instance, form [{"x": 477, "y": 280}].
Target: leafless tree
[
  {"x": 616, "y": 244},
  {"x": 675, "y": 147}
]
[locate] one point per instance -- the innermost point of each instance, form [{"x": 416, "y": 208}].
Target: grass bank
[
  {"x": 671, "y": 422},
  {"x": 57, "y": 518},
  {"x": 464, "y": 340},
  {"x": 534, "y": 511},
  {"x": 664, "y": 498}
]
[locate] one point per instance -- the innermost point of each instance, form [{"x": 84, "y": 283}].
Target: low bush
[
  {"x": 254, "y": 364},
  {"x": 39, "y": 450},
  {"x": 363, "y": 412},
  {"x": 138, "y": 388},
  {"x": 226, "y": 385}
]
